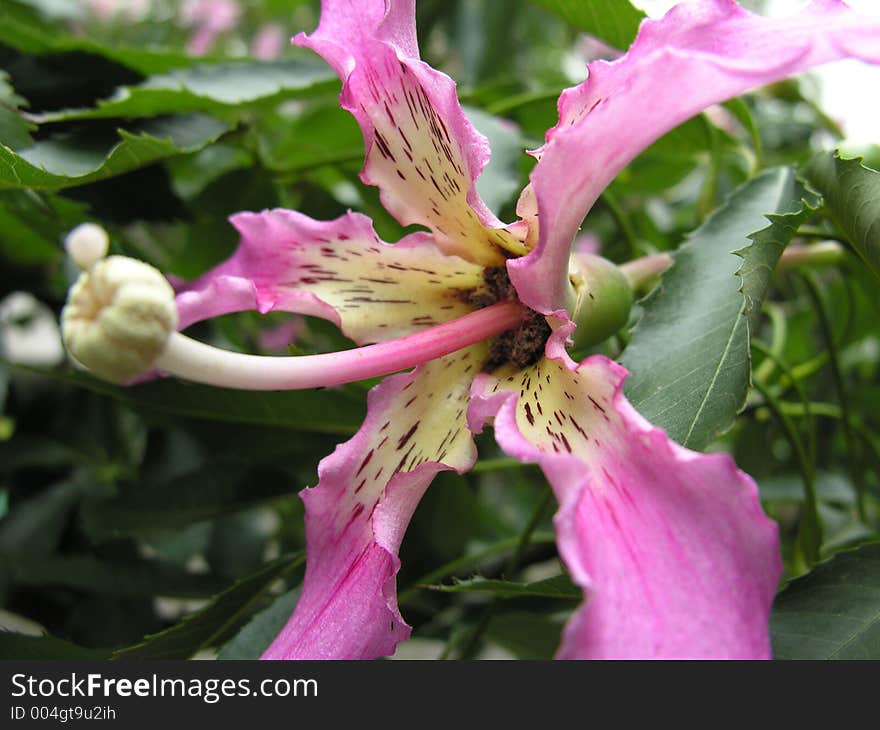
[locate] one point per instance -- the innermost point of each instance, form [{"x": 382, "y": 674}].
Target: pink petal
[
  {"x": 702, "y": 52},
  {"x": 356, "y": 516},
  {"x": 422, "y": 152},
  {"x": 213, "y": 295},
  {"x": 201, "y": 41},
  {"x": 210, "y": 18},
  {"x": 672, "y": 549},
  {"x": 338, "y": 270}
]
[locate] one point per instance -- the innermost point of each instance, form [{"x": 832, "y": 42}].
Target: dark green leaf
[
  {"x": 22, "y": 646},
  {"x": 526, "y": 635},
  {"x": 469, "y": 561},
  {"x": 32, "y": 225},
  {"x": 4, "y": 390},
  {"x": 830, "y": 487},
  {"x": 833, "y": 612},
  {"x": 5, "y": 424},
  {"x": 181, "y": 545},
  {"x": 852, "y": 193},
  {"x": 614, "y": 21},
  {"x": 746, "y": 118},
  {"x": 14, "y": 130},
  {"x": 322, "y": 411},
  {"x": 559, "y": 586},
  {"x": 28, "y": 451},
  {"x": 219, "y": 489},
  {"x": 239, "y": 540},
  {"x": 23, "y": 29},
  {"x": 319, "y": 411},
  {"x": 191, "y": 174},
  {"x": 256, "y": 635},
  {"x": 80, "y": 157},
  {"x": 59, "y": 10},
  {"x": 128, "y": 578},
  {"x": 321, "y": 136},
  {"x": 689, "y": 354},
  {"x": 221, "y": 88},
  {"x": 35, "y": 526},
  {"x": 669, "y": 160},
  {"x": 205, "y": 627}
]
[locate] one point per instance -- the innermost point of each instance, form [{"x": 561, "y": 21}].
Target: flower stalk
[
  {"x": 641, "y": 273},
  {"x": 192, "y": 360},
  {"x": 823, "y": 253},
  {"x": 120, "y": 321}
]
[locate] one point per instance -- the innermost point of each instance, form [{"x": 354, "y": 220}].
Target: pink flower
[
  {"x": 279, "y": 337},
  {"x": 103, "y": 8},
  {"x": 671, "y": 548},
  {"x": 269, "y": 42},
  {"x": 133, "y": 9},
  {"x": 209, "y": 19}
]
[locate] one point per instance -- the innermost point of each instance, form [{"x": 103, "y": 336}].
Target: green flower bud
[
  {"x": 118, "y": 318},
  {"x": 602, "y": 299}
]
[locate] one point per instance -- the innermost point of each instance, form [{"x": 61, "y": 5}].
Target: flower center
[{"x": 521, "y": 346}]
